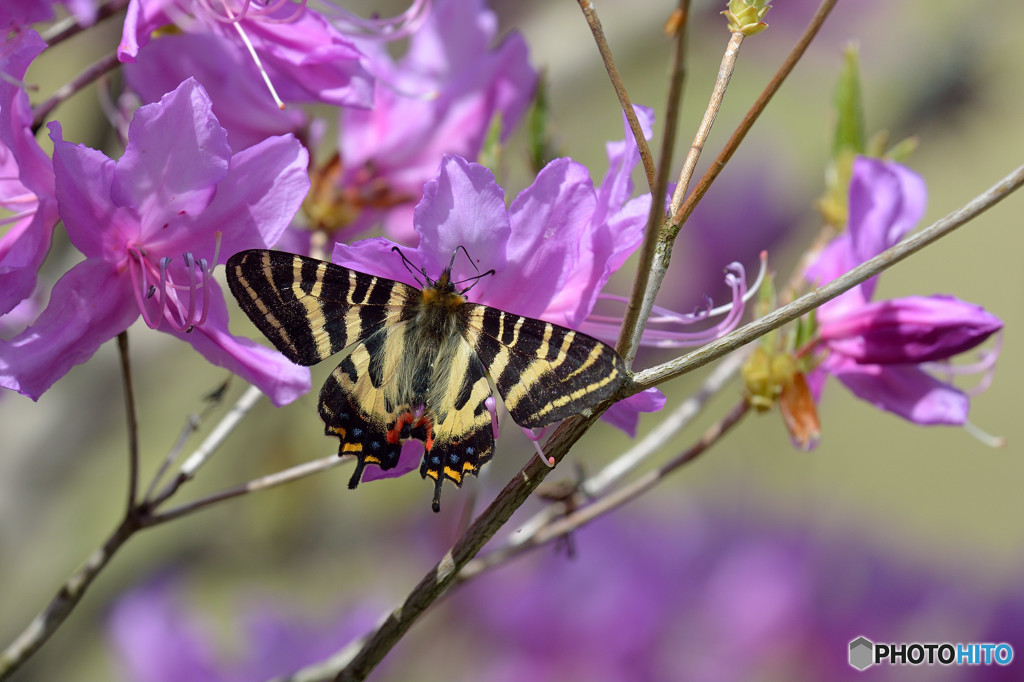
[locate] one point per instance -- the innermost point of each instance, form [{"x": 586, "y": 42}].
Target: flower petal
[
  {"x": 408, "y": 460},
  {"x": 376, "y": 256},
  {"x": 89, "y": 305},
  {"x": 549, "y": 220},
  {"x": 268, "y": 370},
  {"x": 177, "y": 153},
  {"x": 256, "y": 200},
  {"x": 26, "y": 176},
  {"x": 462, "y": 206},
  {"x": 242, "y": 105},
  {"x": 906, "y": 391},
  {"x": 96, "y": 227},
  {"x": 625, "y": 414},
  {"x": 909, "y": 330}
]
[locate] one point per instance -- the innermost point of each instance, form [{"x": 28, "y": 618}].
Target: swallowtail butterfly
[{"x": 419, "y": 361}]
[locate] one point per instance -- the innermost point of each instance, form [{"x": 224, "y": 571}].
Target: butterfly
[{"x": 420, "y": 360}]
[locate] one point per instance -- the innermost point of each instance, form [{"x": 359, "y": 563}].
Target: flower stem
[
  {"x": 655, "y": 260},
  {"x": 620, "y": 89},
  {"x": 133, "y": 424},
  {"x": 92, "y": 72}
]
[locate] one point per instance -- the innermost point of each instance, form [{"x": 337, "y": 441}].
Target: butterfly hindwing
[
  {"x": 543, "y": 371},
  {"x": 355, "y": 409},
  {"x": 462, "y": 437},
  {"x": 311, "y": 309}
]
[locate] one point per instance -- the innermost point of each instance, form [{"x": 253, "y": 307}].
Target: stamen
[
  {"x": 549, "y": 462},
  {"x": 607, "y": 327},
  {"x": 392, "y": 28},
  {"x": 984, "y": 437},
  {"x": 259, "y": 65}
]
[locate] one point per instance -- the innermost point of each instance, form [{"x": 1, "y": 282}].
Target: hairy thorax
[{"x": 432, "y": 341}]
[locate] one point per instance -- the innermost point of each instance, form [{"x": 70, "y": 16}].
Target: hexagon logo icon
[{"x": 862, "y": 652}]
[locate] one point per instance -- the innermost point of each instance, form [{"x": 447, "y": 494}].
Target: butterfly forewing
[
  {"x": 311, "y": 309},
  {"x": 544, "y": 372}
]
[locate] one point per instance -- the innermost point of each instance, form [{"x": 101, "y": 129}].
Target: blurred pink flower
[
  {"x": 439, "y": 98},
  {"x": 879, "y": 350},
  {"x": 26, "y": 177},
  {"x": 305, "y": 57},
  {"x": 149, "y": 226}
]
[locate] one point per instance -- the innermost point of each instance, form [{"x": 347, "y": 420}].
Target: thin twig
[
  {"x": 192, "y": 423},
  {"x": 133, "y": 424},
  {"x": 208, "y": 446},
  {"x": 628, "y": 462},
  {"x": 570, "y": 522},
  {"x": 812, "y": 300},
  {"x": 263, "y": 483},
  {"x": 70, "y": 593},
  {"x": 629, "y": 340},
  {"x": 679, "y": 217},
  {"x": 92, "y": 72},
  {"x": 728, "y": 65},
  {"x": 69, "y": 26},
  {"x": 655, "y": 258},
  {"x": 620, "y": 90}
]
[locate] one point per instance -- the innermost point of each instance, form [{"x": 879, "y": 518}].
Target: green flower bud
[{"x": 745, "y": 16}]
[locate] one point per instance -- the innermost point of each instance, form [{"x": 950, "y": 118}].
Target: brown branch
[
  {"x": 133, "y": 424},
  {"x": 629, "y": 333},
  {"x": 101, "y": 66},
  {"x": 69, "y": 27},
  {"x": 66, "y": 599},
  {"x": 620, "y": 90},
  {"x": 613, "y": 500},
  {"x": 680, "y": 216},
  {"x": 439, "y": 579}
]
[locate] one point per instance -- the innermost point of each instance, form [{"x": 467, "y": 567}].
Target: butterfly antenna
[
  {"x": 475, "y": 278},
  {"x": 413, "y": 270}
]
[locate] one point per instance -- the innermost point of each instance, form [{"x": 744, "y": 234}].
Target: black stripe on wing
[
  {"x": 311, "y": 309},
  {"x": 544, "y": 372}
]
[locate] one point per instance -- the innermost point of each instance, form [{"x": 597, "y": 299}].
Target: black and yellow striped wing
[
  {"x": 544, "y": 372},
  {"x": 419, "y": 361},
  {"x": 311, "y": 309}
]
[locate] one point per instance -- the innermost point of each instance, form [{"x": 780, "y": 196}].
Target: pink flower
[
  {"x": 305, "y": 57},
  {"x": 148, "y": 225},
  {"x": 26, "y": 178},
  {"x": 551, "y": 251},
  {"x": 440, "y": 98},
  {"x": 882, "y": 351}
]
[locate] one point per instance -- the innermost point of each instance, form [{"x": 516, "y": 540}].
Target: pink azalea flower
[
  {"x": 305, "y": 57},
  {"x": 22, "y": 13},
  {"x": 439, "y": 98},
  {"x": 148, "y": 225},
  {"x": 26, "y": 178},
  {"x": 240, "y": 98},
  {"x": 882, "y": 351},
  {"x": 551, "y": 251}
]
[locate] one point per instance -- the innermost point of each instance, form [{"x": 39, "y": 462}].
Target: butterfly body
[{"x": 419, "y": 361}]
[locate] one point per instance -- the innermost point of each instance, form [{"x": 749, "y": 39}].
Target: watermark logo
[{"x": 864, "y": 653}]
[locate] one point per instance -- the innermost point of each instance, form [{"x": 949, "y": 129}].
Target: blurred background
[{"x": 755, "y": 562}]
